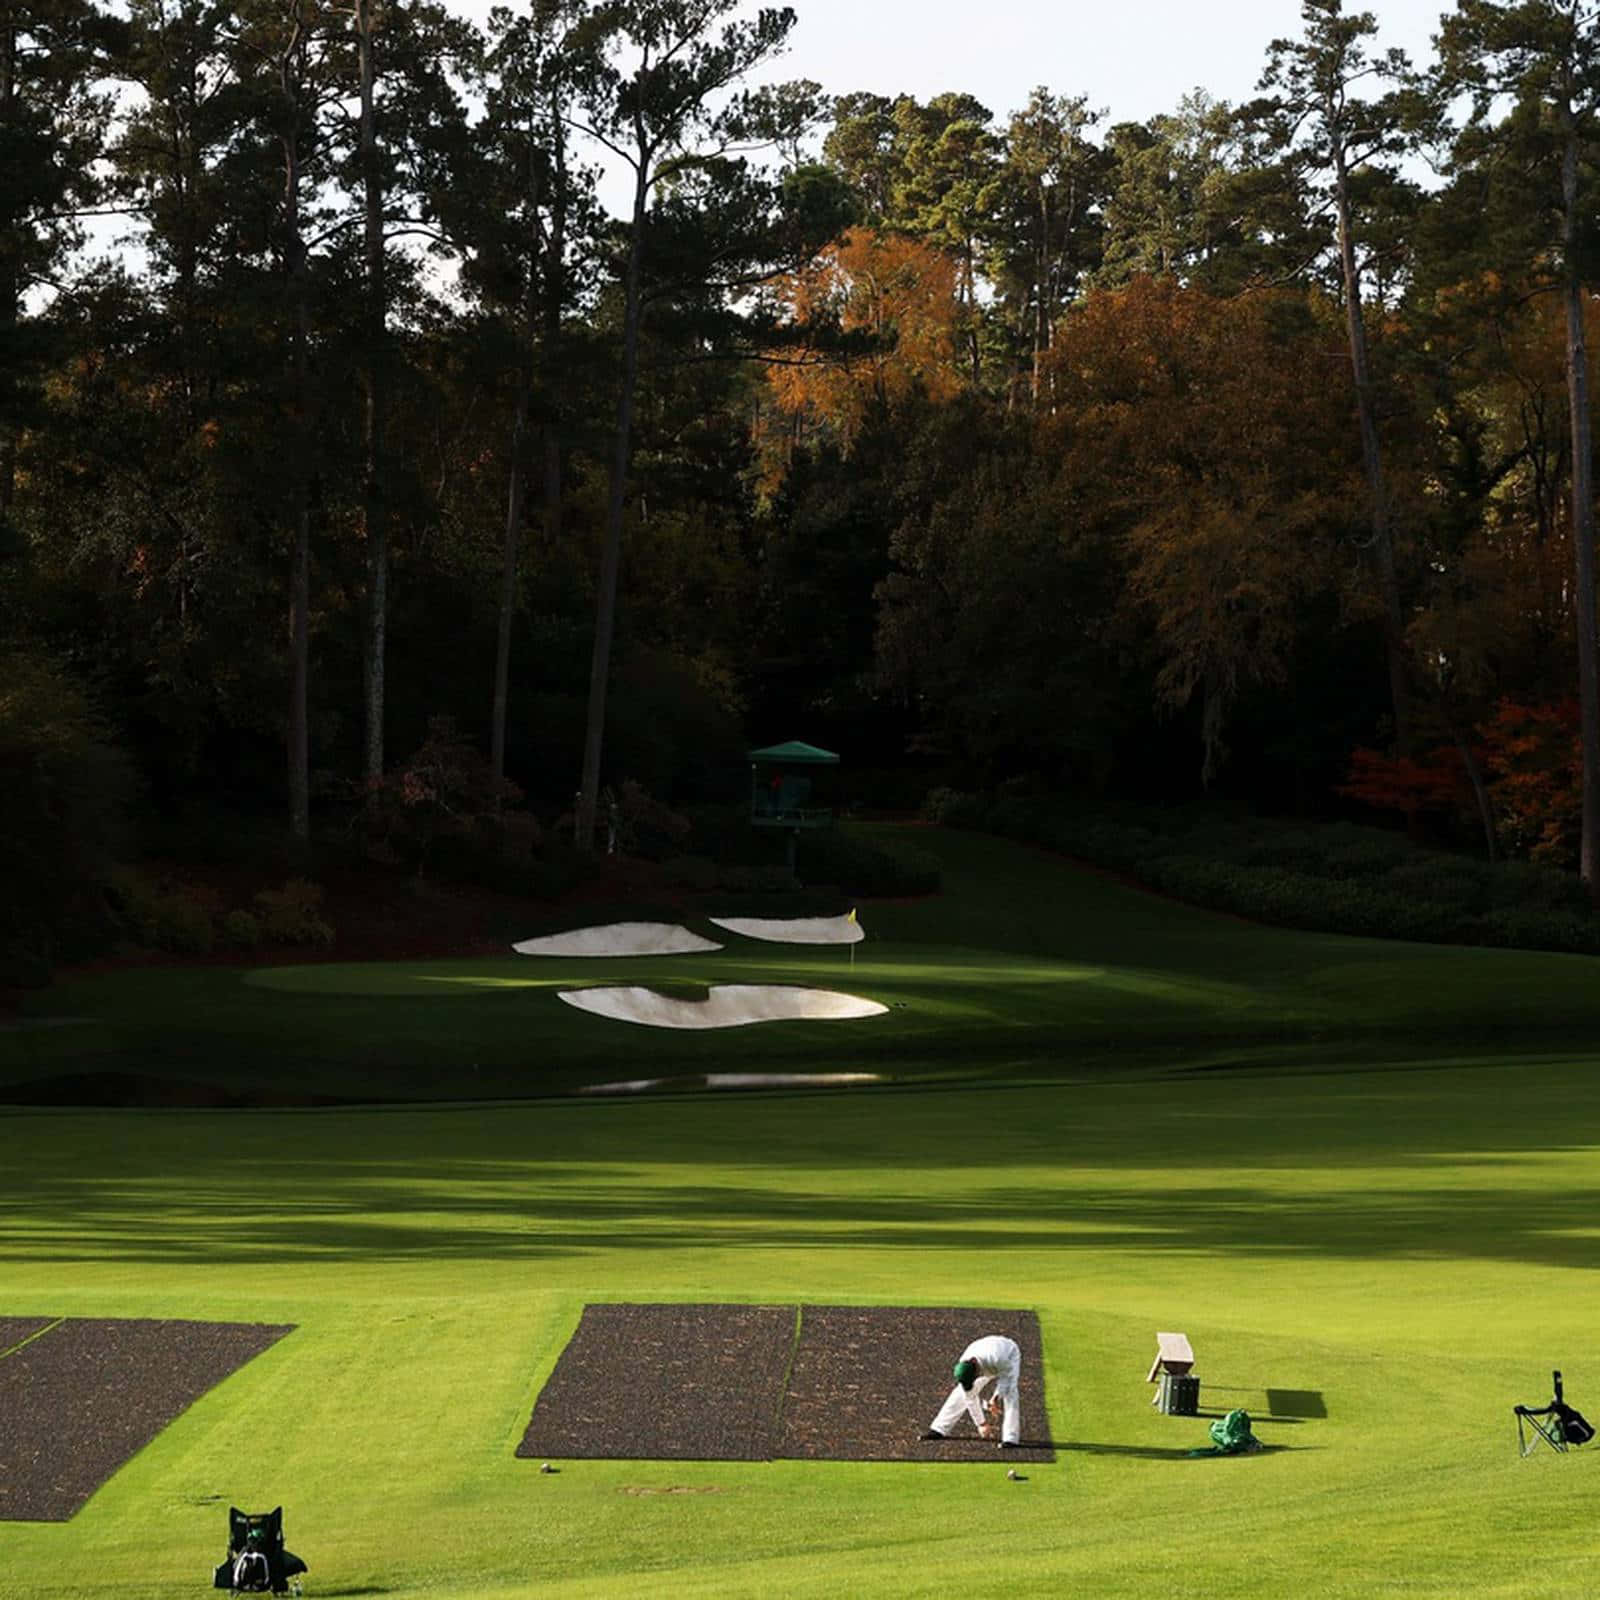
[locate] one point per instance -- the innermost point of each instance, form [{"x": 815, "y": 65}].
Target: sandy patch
[
  {"x": 618, "y": 939},
  {"x": 738, "y": 1080},
  {"x": 728, "y": 1005},
  {"x": 795, "y": 930}
]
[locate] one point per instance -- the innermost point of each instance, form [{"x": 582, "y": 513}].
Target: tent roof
[{"x": 794, "y": 751}]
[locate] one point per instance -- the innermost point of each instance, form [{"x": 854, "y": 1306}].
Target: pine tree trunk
[
  {"x": 1582, "y": 508},
  {"x": 1372, "y": 461},
  {"x": 372, "y": 358},
  {"x": 299, "y": 742},
  {"x": 611, "y": 556},
  {"x": 508, "y": 584}
]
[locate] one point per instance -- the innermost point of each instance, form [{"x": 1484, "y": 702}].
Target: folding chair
[{"x": 1557, "y": 1424}]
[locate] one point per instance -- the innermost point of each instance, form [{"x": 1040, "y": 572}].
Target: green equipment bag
[{"x": 1231, "y": 1436}]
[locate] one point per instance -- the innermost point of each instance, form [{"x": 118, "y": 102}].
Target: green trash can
[{"x": 1179, "y": 1394}]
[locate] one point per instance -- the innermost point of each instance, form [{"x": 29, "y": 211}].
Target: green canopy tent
[{"x": 781, "y": 788}]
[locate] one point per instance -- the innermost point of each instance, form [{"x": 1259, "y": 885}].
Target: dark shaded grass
[
  {"x": 79, "y": 1401},
  {"x": 867, "y": 1380},
  {"x": 666, "y": 1382}
]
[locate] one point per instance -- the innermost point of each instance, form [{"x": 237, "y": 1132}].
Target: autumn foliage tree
[
  {"x": 1211, "y": 431},
  {"x": 882, "y": 318}
]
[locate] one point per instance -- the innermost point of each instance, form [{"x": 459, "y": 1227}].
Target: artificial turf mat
[
  {"x": 866, "y": 1380},
  {"x": 708, "y": 1383},
  {"x": 666, "y": 1382},
  {"x": 78, "y": 1401}
]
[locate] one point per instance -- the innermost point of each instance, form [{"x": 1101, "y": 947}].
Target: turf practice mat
[
  {"x": 80, "y": 1400},
  {"x": 708, "y": 1383},
  {"x": 866, "y": 1380},
  {"x": 666, "y": 1382}
]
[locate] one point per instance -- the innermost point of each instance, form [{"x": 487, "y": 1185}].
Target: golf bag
[
  {"x": 257, "y": 1562},
  {"x": 1557, "y": 1424}
]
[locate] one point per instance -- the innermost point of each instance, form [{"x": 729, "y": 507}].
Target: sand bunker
[
  {"x": 737, "y": 1080},
  {"x": 728, "y": 1005},
  {"x": 618, "y": 939},
  {"x": 796, "y": 930}
]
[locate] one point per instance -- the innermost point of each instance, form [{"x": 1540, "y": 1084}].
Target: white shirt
[{"x": 998, "y": 1358}]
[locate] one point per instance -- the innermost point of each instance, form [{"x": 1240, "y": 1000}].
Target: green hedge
[{"x": 1333, "y": 877}]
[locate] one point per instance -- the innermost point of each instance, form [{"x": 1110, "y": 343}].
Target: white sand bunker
[
  {"x": 618, "y": 939},
  {"x": 796, "y": 930},
  {"x": 728, "y": 1005},
  {"x": 738, "y": 1080}
]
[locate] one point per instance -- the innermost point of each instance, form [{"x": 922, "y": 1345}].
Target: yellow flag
[{"x": 852, "y": 916}]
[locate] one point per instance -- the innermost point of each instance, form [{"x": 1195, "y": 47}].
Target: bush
[
  {"x": 290, "y": 915},
  {"x": 241, "y": 930},
  {"x": 1444, "y": 880},
  {"x": 951, "y": 808},
  {"x": 1529, "y": 886},
  {"x": 62, "y": 823},
  {"x": 701, "y": 875},
  {"x": 1339, "y": 877},
  {"x": 1523, "y": 929},
  {"x": 159, "y": 916}
]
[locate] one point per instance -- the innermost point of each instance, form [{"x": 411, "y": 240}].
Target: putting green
[{"x": 1022, "y": 967}]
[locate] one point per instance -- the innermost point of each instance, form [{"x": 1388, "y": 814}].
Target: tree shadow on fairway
[{"x": 213, "y": 1206}]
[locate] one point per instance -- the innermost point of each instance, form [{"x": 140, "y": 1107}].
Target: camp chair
[
  {"x": 1557, "y": 1424},
  {"x": 257, "y": 1562}
]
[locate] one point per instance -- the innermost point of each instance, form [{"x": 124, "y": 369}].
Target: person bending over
[{"x": 995, "y": 1360}]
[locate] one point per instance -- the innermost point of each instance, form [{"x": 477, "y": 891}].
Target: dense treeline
[{"x": 384, "y": 465}]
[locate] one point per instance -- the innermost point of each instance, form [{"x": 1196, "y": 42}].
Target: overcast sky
[
  {"x": 1135, "y": 58},
  {"x": 1131, "y": 58}
]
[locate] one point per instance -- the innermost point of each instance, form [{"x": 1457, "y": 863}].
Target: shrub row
[
  {"x": 159, "y": 914},
  {"x": 1334, "y": 877}
]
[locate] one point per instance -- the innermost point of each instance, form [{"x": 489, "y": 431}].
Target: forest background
[{"x": 395, "y": 495}]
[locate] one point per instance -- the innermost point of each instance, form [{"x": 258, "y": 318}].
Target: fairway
[{"x": 1378, "y": 1254}]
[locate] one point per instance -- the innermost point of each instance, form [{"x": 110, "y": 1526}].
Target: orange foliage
[
  {"x": 1219, "y": 435},
  {"x": 1437, "y": 783},
  {"x": 902, "y": 292},
  {"x": 1534, "y": 755}
]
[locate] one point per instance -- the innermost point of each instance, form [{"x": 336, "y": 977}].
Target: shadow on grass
[
  {"x": 199, "y": 1205},
  {"x": 1152, "y": 1452}
]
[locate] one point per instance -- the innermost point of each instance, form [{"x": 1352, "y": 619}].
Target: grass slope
[
  {"x": 1416, "y": 1249},
  {"x": 1413, "y": 1249},
  {"x": 1021, "y": 967}
]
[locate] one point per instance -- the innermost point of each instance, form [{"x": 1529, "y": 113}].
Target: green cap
[{"x": 966, "y": 1373}]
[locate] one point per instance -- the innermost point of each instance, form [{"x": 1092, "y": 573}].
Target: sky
[
  {"x": 1131, "y": 58},
  {"x": 1135, "y": 58}
]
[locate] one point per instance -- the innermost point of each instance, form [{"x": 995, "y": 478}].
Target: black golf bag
[
  {"x": 257, "y": 1562},
  {"x": 1557, "y": 1424}
]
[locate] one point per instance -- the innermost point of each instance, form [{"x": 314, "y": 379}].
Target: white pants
[{"x": 1005, "y": 1390}]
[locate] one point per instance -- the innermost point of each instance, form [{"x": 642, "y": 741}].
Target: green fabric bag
[{"x": 1231, "y": 1436}]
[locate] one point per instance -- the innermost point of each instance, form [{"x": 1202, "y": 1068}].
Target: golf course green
[{"x": 1361, "y": 1176}]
